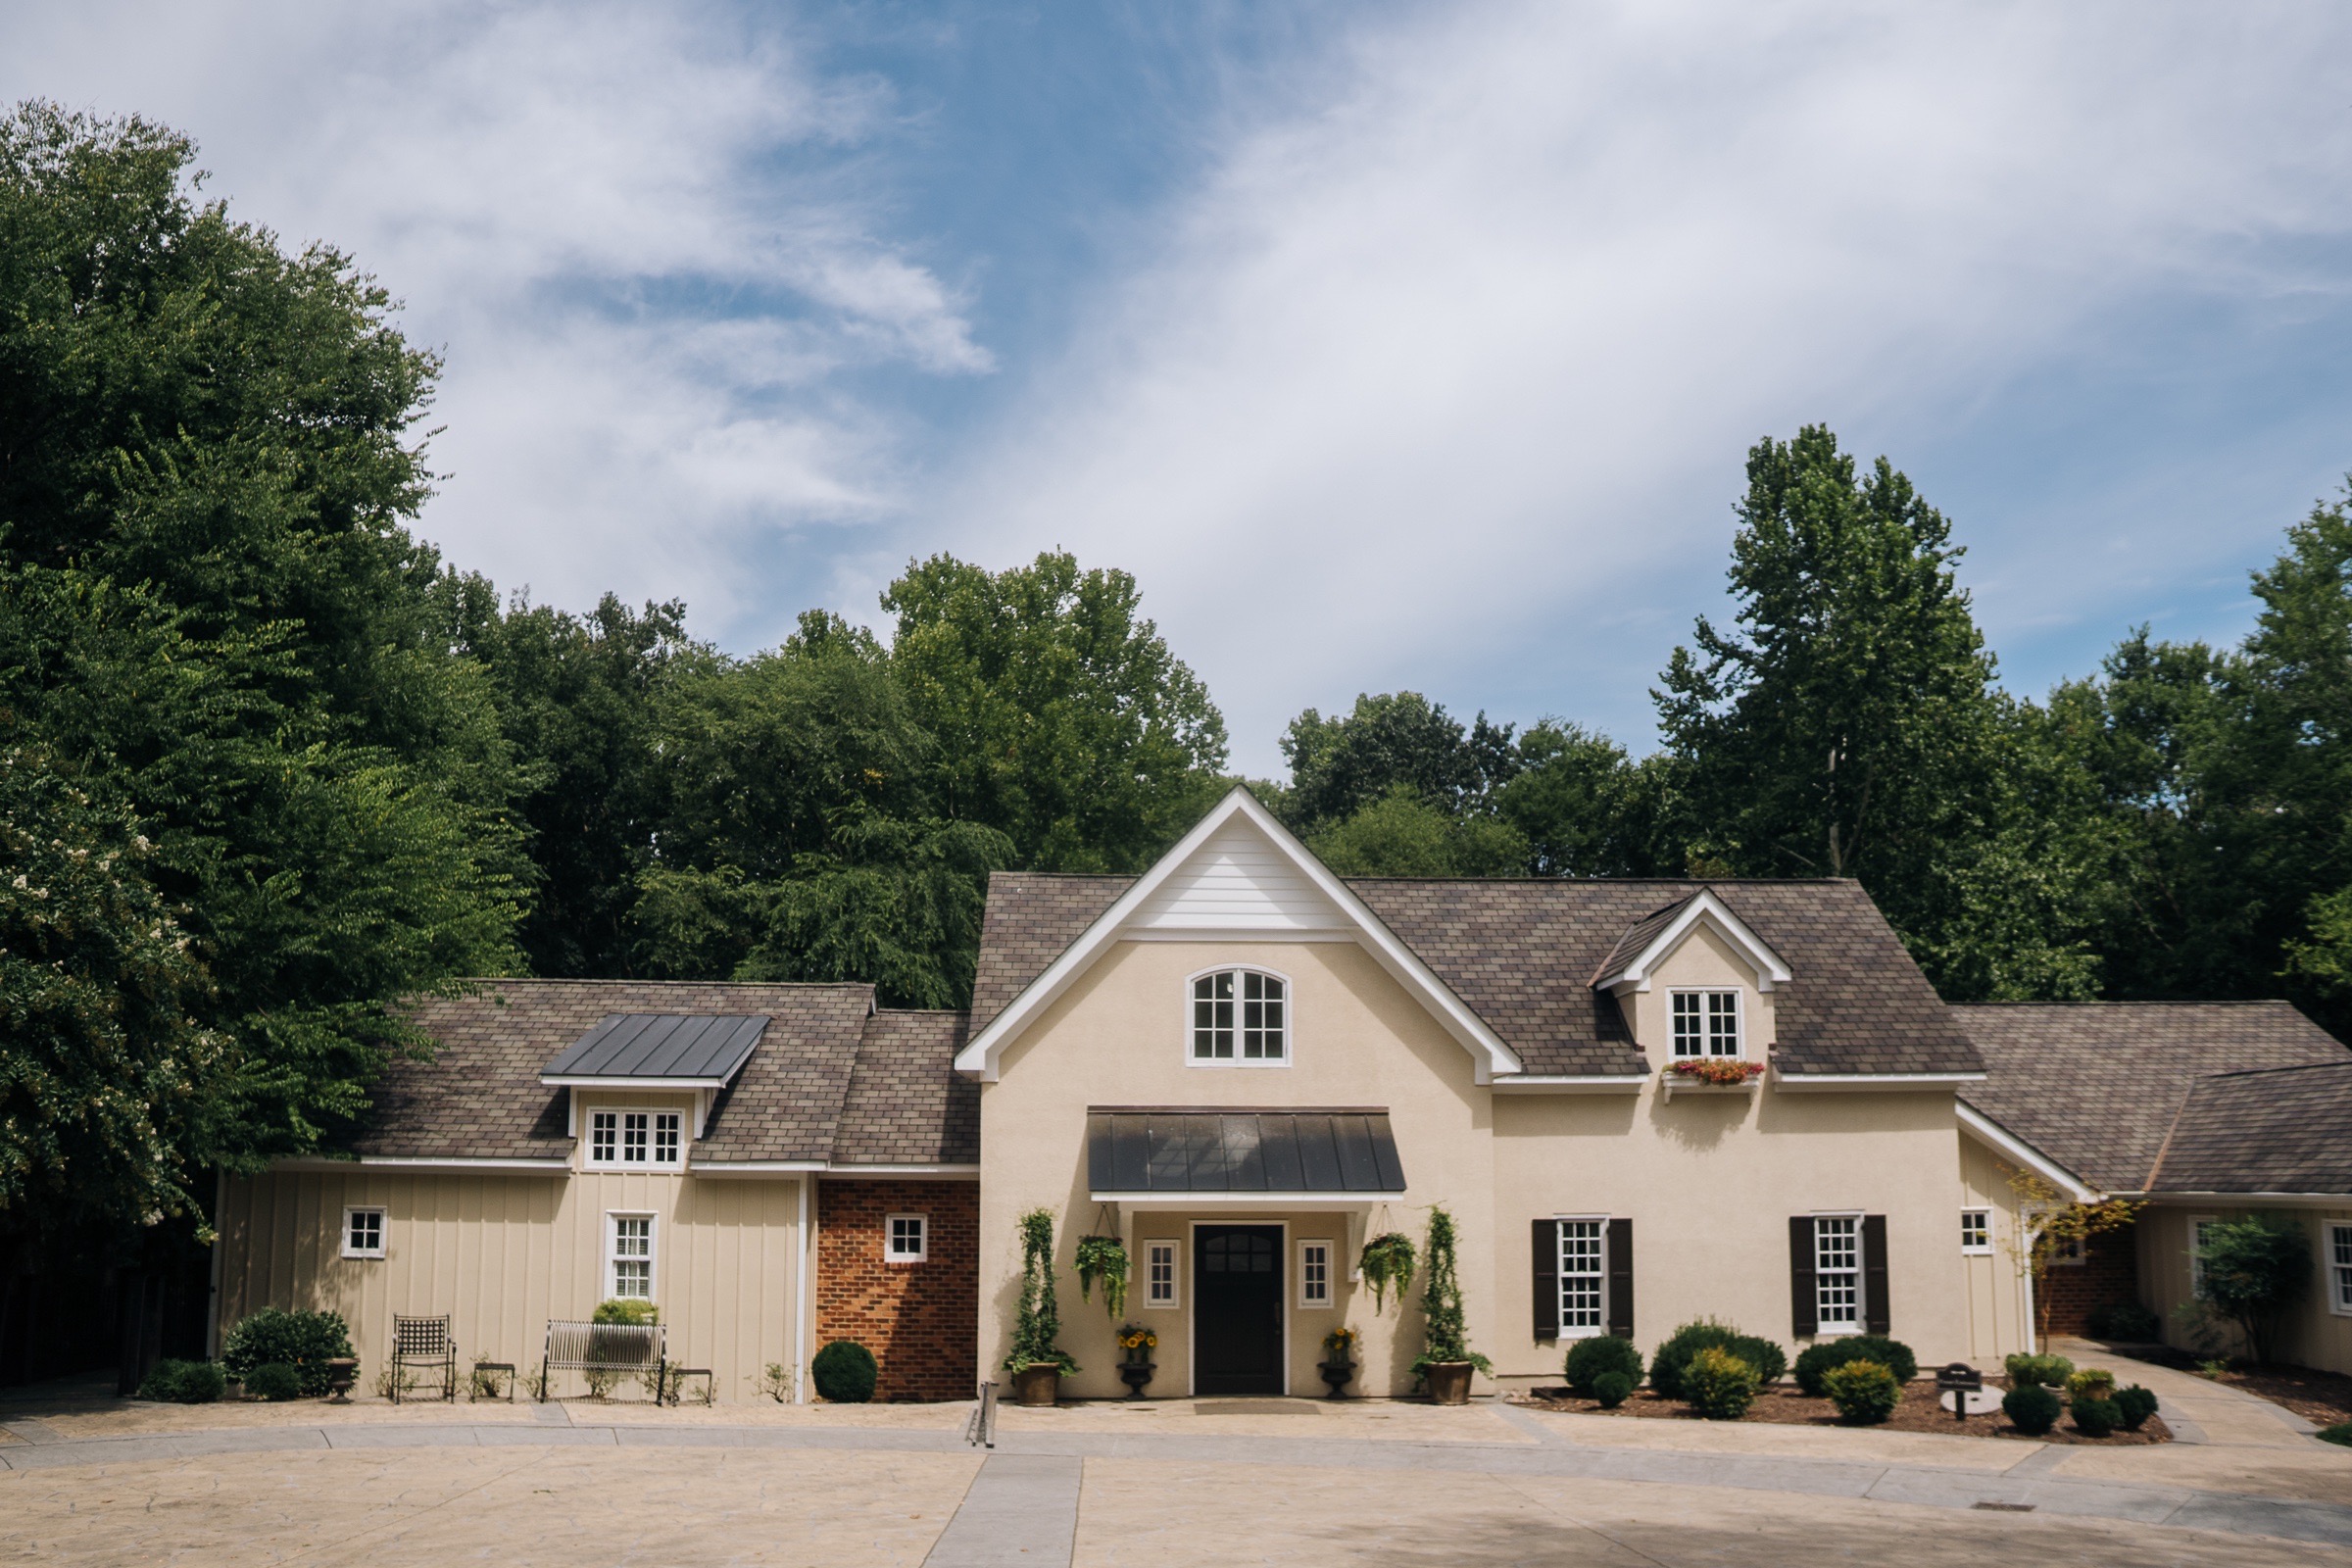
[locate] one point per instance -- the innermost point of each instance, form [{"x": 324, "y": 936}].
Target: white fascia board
[
  {"x": 755, "y": 1167},
  {"x": 1993, "y": 1135},
  {"x": 1704, "y": 907},
  {"x": 1616, "y": 1083},
  {"x": 627, "y": 1085},
  {"x": 2161, "y": 1194},
  {"x": 1209, "y": 1203},
  {"x": 428, "y": 1165},
  {"x": 1829, "y": 1083},
  {"x": 1488, "y": 1055},
  {"x": 949, "y": 1173}
]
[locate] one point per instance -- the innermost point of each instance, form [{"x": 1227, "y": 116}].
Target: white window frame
[
  {"x": 1599, "y": 1274},
  {"x": 1705, "y": 1017},
  {"x": 1287, "y": 1002},
  {"x": 655, "y": 1116},
  {"x": 1983, "y": 1246},
  {"x": 614, "y": 1258},
  {"x": 1328, "y": 1263},
  {"x": 382, "y": 1226},
  {"x": 2337, "y": 1251},
  {"x": 1174, "y": 1249},
  {"x": 1857, "y": 1274},
  {"x": 2197, "y": 1262},
  {"x": 890, "y": 1238}
]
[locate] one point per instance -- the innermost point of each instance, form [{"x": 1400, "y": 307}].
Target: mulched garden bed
[
  {"x": 2324, "y": 1398},
  {"x": 1785, "y": 1405}
]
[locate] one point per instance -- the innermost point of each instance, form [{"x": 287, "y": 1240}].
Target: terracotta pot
[
  {"x": 1037, "y": 1383},
  {"x": 1449, "y": 1382}
]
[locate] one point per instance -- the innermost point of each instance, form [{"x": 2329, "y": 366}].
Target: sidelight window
[
  {"x": 1314, "y": 1274},
  {"x": 1159, "y": 1274},
  {"x": 1241, "y": 1017}
]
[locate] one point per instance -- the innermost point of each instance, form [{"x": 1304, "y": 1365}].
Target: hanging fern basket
[
  {"x": 1387, "y": 1260},
  {"x": 1104, "y": 1258}
]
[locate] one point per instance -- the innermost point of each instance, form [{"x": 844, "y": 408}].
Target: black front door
[{"x": 1237, "y": 1310}]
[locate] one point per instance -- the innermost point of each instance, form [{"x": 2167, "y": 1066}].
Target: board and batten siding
[
  {"x": 504, "y": 1253},
  {"x": 1996, "y": 1292},
  {"x": 2311, "y": 1335}
]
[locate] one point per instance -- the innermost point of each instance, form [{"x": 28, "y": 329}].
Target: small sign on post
[{"x": 1959, "y": 1380}]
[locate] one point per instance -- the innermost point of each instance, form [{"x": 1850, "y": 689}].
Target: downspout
[
  {"x": 2026, "y": 1278},
  {"x": 801, "y": 1334}
]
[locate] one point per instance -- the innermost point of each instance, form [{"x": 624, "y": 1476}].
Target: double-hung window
[
  {"x": 904, "y": 1239},
  {"x": 2339, "y": 1267},
  {"x": 1976, "y": 1232},
  {"x": 1159, "y": 1274},
  {"x": 1584, "y": 1277},
  {"x": 634, "y": 1139},
  {"x": 1241, "y": 1016},
  {"x": 2198, "y": 1225},
  {"x": 1314, "y": 1274},
  {"x": 1706, "y": 1023},
  {"x": 362, "y": 1233},
  {"x": 1837, "y": 1272},
  {"x": 629, "y": 1255}
]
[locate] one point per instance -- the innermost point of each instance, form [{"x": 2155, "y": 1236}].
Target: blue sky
[{"x": 1390, "y": 345}]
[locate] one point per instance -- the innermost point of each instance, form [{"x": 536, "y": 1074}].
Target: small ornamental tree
[
  {"x": 1447, "y": 1336},
  {"x": 2052, "y": 1226},
  {"x": 1037, "y": 1322},
  {"x": 2249, "y": 1271}
]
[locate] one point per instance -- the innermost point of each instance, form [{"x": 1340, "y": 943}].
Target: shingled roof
[
  {"x": 830, "y": 1080},
  {"x": 1521, "y": 954},
  {"x": 2097, "y": 1084},
  {"x": 2275, "y": 1130}
]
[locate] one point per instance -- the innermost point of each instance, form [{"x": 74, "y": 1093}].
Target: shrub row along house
[{"x": 1643, "y": 1101}]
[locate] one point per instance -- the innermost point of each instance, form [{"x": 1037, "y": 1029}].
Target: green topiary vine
[
  {"x": 1037, "y": 1323},
  {"x": 1446, "y": 1337}
]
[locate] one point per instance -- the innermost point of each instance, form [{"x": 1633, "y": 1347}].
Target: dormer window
[
  {"x": 1241, "y": 1017},
  {"x": 1706, "y": 1023},
  {"x": 634, "y": 1139}
]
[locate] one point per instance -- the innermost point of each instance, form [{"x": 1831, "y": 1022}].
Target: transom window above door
[
  {"x": 1706, "y": 1023},
  {"x": 1241, "y": 1017}
]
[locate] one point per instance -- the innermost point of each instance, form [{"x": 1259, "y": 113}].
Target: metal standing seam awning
[
  {"x": 1163, "y": 1155},
  {"x": 698, "y": 1052}
]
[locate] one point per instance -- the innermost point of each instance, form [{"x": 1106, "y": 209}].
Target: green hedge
[
  {"x": 302, "y": 1340},
  {"x": 1765, "y": 1359},
  {"x": 1818, "y": 1360},
  {"x": 274, "y": 1380},
  {"x": 184, "y": 1383}
]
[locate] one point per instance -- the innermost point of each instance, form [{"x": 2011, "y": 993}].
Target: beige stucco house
[{"x": 1242, "y": 1067}]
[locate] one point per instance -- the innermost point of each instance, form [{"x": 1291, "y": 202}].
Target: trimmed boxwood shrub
[
  {"x": 845, "y": 1373},
  {"x": 2136, "y": 1405},
  {"x": 1613, "y": 1389},
  {"x": 2031, "y": 1408},
  {"x": 2050, "y": 1371},
  {"x": 1587, "y": 1359},
  {"x": 2097, "y": 1418},
  {"x": 1865, "y": 1391},
  {"x": 183, "y": 1383},
  {"x": 274, "y": 1380},
  {"x": 1817, "y": 1360},
  {"x": 1763, "y": 1358},
  {"x": 2126, "y": 1322},
  {"x": 1719, "y": 1384},
  {"x": 302, "y": 1340},
  {"x": 2340, "y": 1433}
]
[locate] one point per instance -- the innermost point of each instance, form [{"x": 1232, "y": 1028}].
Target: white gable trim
[
  {"x": 1488, "y": 1055},
  {"x": 1704, "y": 908},
  {"x": 2001, "y": 1141}
]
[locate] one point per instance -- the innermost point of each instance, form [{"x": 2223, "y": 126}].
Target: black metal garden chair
[{"x": 423, "y": 1343}]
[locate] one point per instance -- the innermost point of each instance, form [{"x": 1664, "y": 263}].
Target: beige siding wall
[
  {"x": 2315, "y": 1336},
  {"x": 504, "y": 1253},
  {"x": 1995, "y": 1292}
]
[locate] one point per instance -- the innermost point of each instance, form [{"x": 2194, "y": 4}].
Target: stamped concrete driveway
[{"x": 103, "y": 1482}]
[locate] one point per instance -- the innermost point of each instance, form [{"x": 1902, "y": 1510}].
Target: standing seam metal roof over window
[{"x": 690, "y": 1047}]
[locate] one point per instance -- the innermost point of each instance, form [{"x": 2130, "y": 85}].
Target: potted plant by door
[
  {"x": 1339, "y": 1360},
  {"x": 1446, "y": 1360},
  {"x": 1036, "y": 1361},
  {"x": 1136, "y": 1370}
]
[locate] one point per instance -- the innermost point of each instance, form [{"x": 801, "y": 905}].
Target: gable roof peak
[{"x": 1651, "y": 940}]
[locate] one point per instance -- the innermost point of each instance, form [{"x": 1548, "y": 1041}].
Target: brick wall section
[
  {"x": 921, "y": 1320},
  {"x": 2109, "y": 1272}
]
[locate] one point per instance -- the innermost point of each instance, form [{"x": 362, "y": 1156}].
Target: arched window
[{"x": 1241, "y": 1017}]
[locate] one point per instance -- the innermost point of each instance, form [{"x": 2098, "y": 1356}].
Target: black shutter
[
  {"x": 1875, "y": 1316},
  {"x": 1547, "y": 1245},
  {"x": 1621, "y": 1278},
  {"x": 1803, "y": 1295}
]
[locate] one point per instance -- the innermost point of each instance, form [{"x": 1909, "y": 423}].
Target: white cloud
[
  {"x": 634, "y": 229},
  {"x": 1454, "y": 367}
]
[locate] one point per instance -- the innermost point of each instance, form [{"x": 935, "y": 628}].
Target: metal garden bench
[
  {"x": 621, "y": 1349},
  {"x": 423, "y": 1342}
]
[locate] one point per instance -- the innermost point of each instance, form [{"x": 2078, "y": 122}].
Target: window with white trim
[
  {"x": 1706, "y": 1023},
  {"x": 362, "y": 1233},
  {"x": 2339, "y": 1267},
  {"x": 629, "y": 1255},
  {"x": 1584, "y": 1278},
  {"x": 1314, "y": 1274},
  {"x": 2198, "y": 1225},
  {"x": 1975, "y": 1231},
  {"x": 1241, "y": 1017},
  {"x": 904, "y": 1238},
  {"x": 1159, "y": 1274},
  {"x": 1837, "y": 1272},
  {"x": 635, "y": 1139}
]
